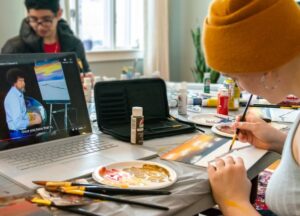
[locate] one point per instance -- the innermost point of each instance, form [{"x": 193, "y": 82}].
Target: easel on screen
[{"x": 53, "y": 112}]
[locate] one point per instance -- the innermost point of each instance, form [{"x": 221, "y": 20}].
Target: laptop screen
[{"x": 41, "y": 99}]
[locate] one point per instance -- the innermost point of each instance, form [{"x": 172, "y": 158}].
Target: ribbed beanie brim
[{"x": 251, "y": 35}]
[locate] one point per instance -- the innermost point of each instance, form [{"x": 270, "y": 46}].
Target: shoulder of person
[
  {"x": 66, "y": 32},
  {"x": 13, "y": 45},
  {"x": 296, "y": 146},
  {"x": 67, "y": 37}
]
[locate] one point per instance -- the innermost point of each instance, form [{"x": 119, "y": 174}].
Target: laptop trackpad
[{"x": 64, "y": 170}]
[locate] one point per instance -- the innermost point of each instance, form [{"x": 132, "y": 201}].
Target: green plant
[{"x": 200, "y": 65}]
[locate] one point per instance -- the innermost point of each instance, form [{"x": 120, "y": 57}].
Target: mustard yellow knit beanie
[{"x": 251, "y": 35}]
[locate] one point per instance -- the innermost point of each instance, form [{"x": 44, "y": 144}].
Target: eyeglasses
[{"x": 35, "y": 22}]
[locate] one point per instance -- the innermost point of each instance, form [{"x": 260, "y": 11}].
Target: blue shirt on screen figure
[{"x": 17, "y": 117}]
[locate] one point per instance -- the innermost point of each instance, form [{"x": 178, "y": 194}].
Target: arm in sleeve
[
  {"x": 82, "y": 56},
  {"x": 14, "y": 114},
  {"x": 13, "y": 45}
]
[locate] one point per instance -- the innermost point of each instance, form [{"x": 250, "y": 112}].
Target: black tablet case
[{"x": 114, "y": 101}]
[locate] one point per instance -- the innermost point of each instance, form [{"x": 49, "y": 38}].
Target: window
[{"x": 107, "y": 24}]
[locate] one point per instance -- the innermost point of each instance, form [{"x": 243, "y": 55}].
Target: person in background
[
  {"x": 256, "y": 42},
  {"x": 44, "y": 31},
  {"x": 17, "y": 117}
]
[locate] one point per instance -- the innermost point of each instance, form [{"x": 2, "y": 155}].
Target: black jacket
[{"x": 29, "y": 42}]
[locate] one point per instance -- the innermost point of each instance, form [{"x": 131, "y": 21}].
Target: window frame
[{"x": 113, "y": 54}]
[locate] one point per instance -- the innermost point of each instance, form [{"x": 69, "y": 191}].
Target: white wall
[
  {"x": 11, "y": 14},
  {"x": 184, "y": 16},
  {"x": 113, "y": 68}
]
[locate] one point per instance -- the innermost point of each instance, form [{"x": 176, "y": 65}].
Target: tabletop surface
[{"x": 190, "y": 194}]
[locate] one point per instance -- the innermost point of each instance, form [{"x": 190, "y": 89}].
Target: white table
[{"x": 190, "y": 194}]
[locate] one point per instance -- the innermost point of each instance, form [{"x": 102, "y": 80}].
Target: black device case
[{"x": 114, "y": 101}]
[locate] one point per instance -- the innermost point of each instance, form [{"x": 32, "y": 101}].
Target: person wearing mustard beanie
[{"x": 257, "y": 43}]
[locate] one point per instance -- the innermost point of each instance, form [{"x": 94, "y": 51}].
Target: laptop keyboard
[{"x": 47, "y": 154}]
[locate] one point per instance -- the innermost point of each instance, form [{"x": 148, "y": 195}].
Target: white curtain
[{"x": 156, "y": 49}]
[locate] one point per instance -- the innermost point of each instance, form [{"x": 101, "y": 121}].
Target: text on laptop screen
[{"x": 41, "y": 99}]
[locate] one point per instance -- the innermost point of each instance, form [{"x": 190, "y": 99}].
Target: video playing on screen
[
  {"x": 51, "y": 80},
  {"x": 38, "y": 99}
]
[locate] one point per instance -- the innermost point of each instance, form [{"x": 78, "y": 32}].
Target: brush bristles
[
  {"x": 233, "y": 141},
  {"x": 42, "y": 183}
]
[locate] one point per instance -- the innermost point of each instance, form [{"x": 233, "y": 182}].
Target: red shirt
[{"x": 52, "y": 48}]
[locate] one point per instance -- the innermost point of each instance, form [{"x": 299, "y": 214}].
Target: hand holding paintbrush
[{"x": 242, "y": 119}]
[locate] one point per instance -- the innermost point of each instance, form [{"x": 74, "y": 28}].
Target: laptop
[{"x": 45, "y": 132}]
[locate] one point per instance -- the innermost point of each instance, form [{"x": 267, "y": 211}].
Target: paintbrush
[
  {"x": 242, "y": 119},
  {"x": 166, "y": 127},
  {"x": 111, "y": 191},
  {"x": 111, "y": 198},
  {"x": 76, "y": 210},
  {"x": 55, "y": 185},
  {"x": 60, "y": 184}
]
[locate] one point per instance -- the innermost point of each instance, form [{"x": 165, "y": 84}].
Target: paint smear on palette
[
  {"x": 224, "y": 129},
  {"x": 210, "y": 119}
]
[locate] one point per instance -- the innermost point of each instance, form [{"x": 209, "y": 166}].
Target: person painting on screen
[
  {"x": 45, "y": 31},
  {"x": 257, "y": 43},
  {"x": 17, "y": 117}
]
